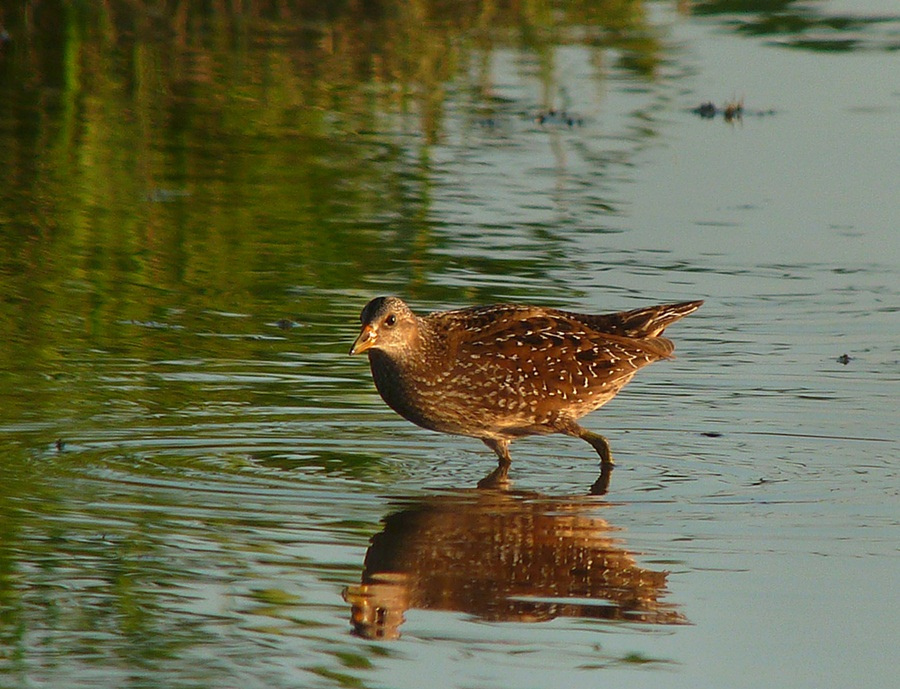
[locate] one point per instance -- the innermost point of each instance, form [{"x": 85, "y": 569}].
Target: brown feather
[{"x": 502, "y": 371}]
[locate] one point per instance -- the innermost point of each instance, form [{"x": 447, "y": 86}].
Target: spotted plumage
[{"x": 504, "y": 371}]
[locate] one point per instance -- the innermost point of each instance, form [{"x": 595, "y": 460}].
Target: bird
[{"x": 504, "y": 371}]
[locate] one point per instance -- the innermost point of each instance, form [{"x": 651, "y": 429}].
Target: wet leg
[
  {"x": 498, "y": 478},
  {"x": 597, "y": 441},
  {"x": 601, "y": 445}
]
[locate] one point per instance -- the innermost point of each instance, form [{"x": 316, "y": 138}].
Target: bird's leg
[
  {"x": 498, "y": 478},
  {"x": 597, "y": 441},
  {"x": 601, "y": 445}
]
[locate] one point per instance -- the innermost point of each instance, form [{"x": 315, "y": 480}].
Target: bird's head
[{"x": 388, "y": 325}]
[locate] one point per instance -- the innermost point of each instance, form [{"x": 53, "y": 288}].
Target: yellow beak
[{"x": 365, "y": 340}]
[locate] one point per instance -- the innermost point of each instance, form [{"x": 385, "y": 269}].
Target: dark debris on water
[
  {"x": 731, "y": 111},
  {"x": 558, "y": 117}
]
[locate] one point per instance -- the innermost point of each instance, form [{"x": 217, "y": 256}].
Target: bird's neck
[{"x": 396, "y": 379}]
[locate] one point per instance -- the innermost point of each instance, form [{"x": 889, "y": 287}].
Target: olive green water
[{"x": 199, "y": 488}]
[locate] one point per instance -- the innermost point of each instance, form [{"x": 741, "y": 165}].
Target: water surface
[{"x": 198, "y": 487}]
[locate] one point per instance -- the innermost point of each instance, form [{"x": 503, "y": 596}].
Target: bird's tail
[{"x": 647, "y": 322}]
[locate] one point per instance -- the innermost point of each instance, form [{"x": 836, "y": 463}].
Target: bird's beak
[{"x": 365, "y": 340}]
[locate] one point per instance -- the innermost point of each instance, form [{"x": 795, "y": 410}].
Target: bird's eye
[{"x": 390, "y": 321}]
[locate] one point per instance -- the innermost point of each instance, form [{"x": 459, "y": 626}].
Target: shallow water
[{"x": 197, "y": 483}]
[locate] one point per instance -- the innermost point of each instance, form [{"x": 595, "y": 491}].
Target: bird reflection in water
[{"x": 502, "y": 556}]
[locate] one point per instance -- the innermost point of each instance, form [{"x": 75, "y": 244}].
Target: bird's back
[{"x": 521, "y": 369}]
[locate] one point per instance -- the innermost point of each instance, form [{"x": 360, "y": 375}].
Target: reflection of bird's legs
[
  {"x": 601, "y": 485},
  {"x": 498, "y": 478}
]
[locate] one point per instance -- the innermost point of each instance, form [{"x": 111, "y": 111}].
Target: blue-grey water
[{"x": 199, "y": 488}]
